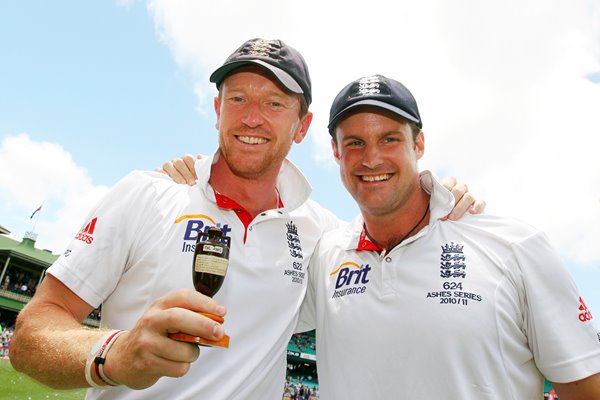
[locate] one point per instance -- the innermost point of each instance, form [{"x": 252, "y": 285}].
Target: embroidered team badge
[
  {"x": 262, "y": 48},
  {"x": 293, "y": 240},
  {"x": 452, "y": 261},
  {"x": 296, "y": 271},
  {"x": 454, "y": 291},
  {"x": 369, "y": 85}
]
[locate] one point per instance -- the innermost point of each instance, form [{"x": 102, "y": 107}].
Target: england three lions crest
[
  {"x": 293, "y": 240},
  {"x": 452, "y": 261}
]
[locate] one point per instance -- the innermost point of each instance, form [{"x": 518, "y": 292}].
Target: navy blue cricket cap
[
  {"x": 285, "y": 62},
  {"x": 376, "y": 91}
]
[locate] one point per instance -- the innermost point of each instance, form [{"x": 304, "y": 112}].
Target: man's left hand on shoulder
[{"x": 463, "y": 199}]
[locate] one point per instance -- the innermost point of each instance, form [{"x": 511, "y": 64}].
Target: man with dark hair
[{"x": 425, "y": 308}]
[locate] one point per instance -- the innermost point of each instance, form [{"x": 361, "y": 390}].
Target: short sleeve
[
  {"x": 97, "y": 256},
  {"x": 562, "y": 335}
]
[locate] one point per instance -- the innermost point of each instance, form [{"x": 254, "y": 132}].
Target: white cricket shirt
[
  {"x": 475, "y": 309},
  {"x": 138, "y": 243}
]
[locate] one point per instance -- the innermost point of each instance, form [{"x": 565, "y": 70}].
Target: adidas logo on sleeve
[{"x": 86, "y": 234}]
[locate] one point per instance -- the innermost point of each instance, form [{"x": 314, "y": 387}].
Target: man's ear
[
  {"x": 336, "y": 153},
  {"x": 420, "y": 145},
  {"x": 217, "y": 107},
  {"x": 304, "y": 125}
]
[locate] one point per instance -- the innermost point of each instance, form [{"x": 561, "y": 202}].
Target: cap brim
[
  {"x": 282, "y": 76},
  {"x": 373, "y": 103}
]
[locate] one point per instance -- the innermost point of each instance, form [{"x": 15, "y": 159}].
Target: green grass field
[{"x": 16, "y": 386}]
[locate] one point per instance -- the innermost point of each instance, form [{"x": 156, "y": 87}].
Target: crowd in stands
[
  {"x": 304, "y": 343},
  {"x": 5, "y": 336},
  {"x": 21, "y": 283},
  {"x": 302, "y": 382},
  {"x": 296, "y": 390},
  {"x": 96, "y": 314}
]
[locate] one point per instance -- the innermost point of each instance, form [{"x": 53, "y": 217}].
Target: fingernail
[
  {"x": 218, "y": 330},
  {"x": 220, "y": 309}
]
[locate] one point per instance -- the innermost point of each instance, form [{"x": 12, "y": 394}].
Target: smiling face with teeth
[
  {"x": 378, "y": 158},
  {"x": 257, "y": 122}
]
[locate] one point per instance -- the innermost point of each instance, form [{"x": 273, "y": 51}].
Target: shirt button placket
[{"x": 388, "y": 275}]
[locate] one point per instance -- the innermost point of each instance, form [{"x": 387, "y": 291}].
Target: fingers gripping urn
[{"x": 211, "y": 258}]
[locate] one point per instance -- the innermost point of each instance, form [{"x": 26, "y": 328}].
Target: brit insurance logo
[
  {"x": 452, "y": 261},
  {"x": 350, "y": 278},
  {"x": 195, "y": 223}
]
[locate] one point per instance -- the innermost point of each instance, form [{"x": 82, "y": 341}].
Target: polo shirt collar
[{"x": 293, "y": 187}]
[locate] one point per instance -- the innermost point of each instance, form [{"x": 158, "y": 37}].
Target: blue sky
[
  {"x": 97, "y": 79},
  {"x": 92, "y": 90}
]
